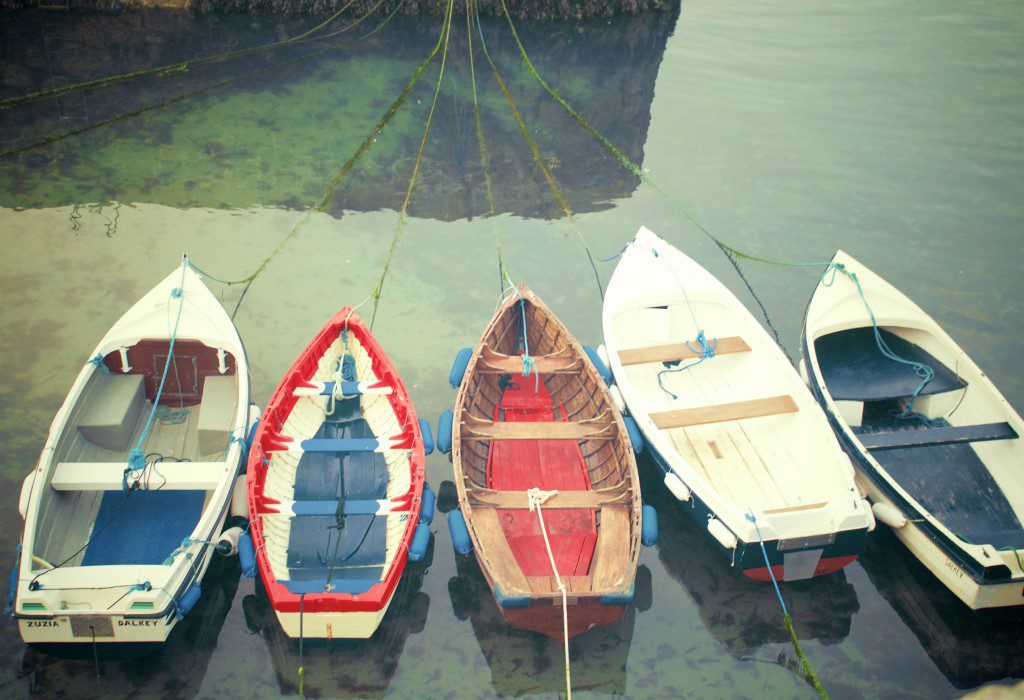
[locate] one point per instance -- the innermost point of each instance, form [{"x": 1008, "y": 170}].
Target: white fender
[
  {"x": 26, "y": 491},
  {"x": 674, "y": 484},
  {"x": 617, "y": 399},
  {"x": 240, "y": 498},
  {"x": 721, "y": 533},
  {"x": 602, "y": 352},
  {"x": 889, "y": 515},
  {"x": 227, "y": 545}
]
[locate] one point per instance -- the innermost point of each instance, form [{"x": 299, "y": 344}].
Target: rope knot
[
  {"x": 98, "y": 361},
  {"x": 176, "y": 292},
  {"x": 537, "y": 498}
]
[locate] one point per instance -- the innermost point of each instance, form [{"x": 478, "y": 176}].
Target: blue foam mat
[{"x": 142, "y": 527}]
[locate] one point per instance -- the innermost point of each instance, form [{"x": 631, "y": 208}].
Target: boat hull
[
  {"x": 748, "y": 557},
  {"x": 545, "y": 617},
  {"x": 332, "y": 625}
]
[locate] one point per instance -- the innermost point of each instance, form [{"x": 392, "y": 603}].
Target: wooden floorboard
[
  {"x": 739, "y": 410},
  {"x": 674, "y": 352}
]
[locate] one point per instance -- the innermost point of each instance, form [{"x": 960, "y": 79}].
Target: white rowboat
[{"x": 742, "y": 443}]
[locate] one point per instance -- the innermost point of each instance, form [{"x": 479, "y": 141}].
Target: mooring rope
[
  {"x": 504, "y": 280},
  {"x": 379, "y": 288},
  {"x": 787, "y": 620},
  {"x": 538, "y": 159},
  {"x": 181, "y": 66},
  {"x": 537, "y": 499},
  {"x": 345, "y": 170}
]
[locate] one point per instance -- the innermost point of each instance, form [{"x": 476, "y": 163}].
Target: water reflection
[
  {"x": 969, "y": 648},
  {"x": 177, "y": 668},
  {"x": 344, "y": 668},
  {"x": 278, "y": 136},
  {"x": 742, "y": 614},
  {"x": 528, "y": 663}
]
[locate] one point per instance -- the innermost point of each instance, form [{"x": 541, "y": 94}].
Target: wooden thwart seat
[
  {"x": 560, "y": 362},
  {"x": 613, "y": 540},
  {"x": 947, "y": 435},
  {"x": 674, "y": 352},
  {"x": 755, "y": 408},
  {"x": 479, "y": 429},
  {"x": 109, "y": 476},
  {"x": 493, "y": 545},
  {"x": 519, "y": 500}
]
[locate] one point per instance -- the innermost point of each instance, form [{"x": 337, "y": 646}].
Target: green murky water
[{"x": 894, "y": 131}]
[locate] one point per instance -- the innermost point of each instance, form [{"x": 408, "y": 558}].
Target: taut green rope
[
  {"x": 377, "y": 290},
  {"x": 541, "y": 165},
  {"x": 346, "y": 168}
]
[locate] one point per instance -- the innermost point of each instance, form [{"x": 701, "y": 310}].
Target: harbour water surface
[{"x": 894, "y": 131}]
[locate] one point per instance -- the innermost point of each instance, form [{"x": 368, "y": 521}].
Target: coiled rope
[
  {"x": 787, "y": 620},
  {"x": 537, "y": 499}
]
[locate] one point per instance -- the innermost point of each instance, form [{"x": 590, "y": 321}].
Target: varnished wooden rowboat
[{"x": 556, "y": 430}]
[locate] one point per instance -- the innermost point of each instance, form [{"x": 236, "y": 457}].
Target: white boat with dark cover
[
  {"x": 941, "y": 459},
  {"x": 743, "y": 445},
  {"x": 134, "y": 481}
]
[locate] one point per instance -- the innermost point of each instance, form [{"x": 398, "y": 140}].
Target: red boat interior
[{"x": 519, "y": 465}]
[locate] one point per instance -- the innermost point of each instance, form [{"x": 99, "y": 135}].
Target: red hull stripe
[{"x": 825, "y": 566}]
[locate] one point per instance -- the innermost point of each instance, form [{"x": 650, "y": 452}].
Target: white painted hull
[
  {"x": 974, "y": 595},
  {"x": 784, "y": 467},
  {"x": 56, "y": 605},
  {"x": 964, "y": 567},
  {"x": 339, "y": 625}
]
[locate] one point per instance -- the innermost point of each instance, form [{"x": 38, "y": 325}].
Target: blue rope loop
[
  {"x": 144, "y": 586},
  {"x": 98, "y": 361},
  {"x": 702, "y": 348},
  {"x": 529, "y": 364},
  {"x": 922, "y": 370}
]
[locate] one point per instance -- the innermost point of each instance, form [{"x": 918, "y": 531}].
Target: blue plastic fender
[
  {"x": 511, "y": 601},
  {"x": 649, "y": 527},
  {"x": 188, "y": 601},
  {"x": 599, "y": 365},
  {"x": 636, "y": 438},
  {"x": 420, "y": 542},
  {"x": 428, "y": 437},
  {"x": 622, "y": 599},
  {"x": 460, "y": 533},
  {"x": 459, "y": 366},
  {"x": 427, "y": 506},
  {"x": 13, "y": 587},
  {"x": 444, "y": 431},
  {"x": 247, "y": 554}
]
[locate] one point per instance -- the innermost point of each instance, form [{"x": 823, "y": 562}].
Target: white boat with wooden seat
[
  {"x": 742, "y": 443},
  {"x": 134, "y": 482},
  {"x": 942, "y": 459}
]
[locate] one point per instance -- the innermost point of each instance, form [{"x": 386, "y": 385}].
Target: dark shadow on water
[
  {"x": 742, "y": 614},
  {"x": 344, "y": 668},
  {"x": 968, "y": 647},
  {"x": 528, "y": 663},
  {"x": 176, "y": 668},
  {"x": 278, "y": 138}
]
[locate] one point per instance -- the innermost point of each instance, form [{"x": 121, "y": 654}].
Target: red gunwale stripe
[{"x": 280, "y": 405}]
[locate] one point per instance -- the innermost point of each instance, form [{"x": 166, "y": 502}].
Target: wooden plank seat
[
  {"x": 109, "y": 476},
  {"x": 560, "y": 362},
  {"x": 493, "y": 545},
  {"x": 574, "y": 585},
  {"x": 674, "y": 352},
  {"x": 519, "y": 500},
  {"x": 947, "y": 435},
  {"x": 755, "y": 408},
  {"x": 613, "y": 540},
  {"x": 479, "y": 429}
]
